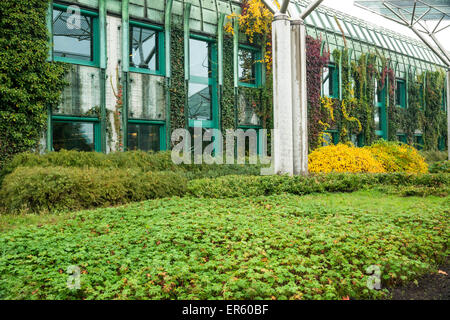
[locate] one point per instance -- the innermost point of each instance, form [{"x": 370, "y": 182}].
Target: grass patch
[{"x": 280, "y": 246}]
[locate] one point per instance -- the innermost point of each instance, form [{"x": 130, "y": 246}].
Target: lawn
[{"x": 275, "y": 247}]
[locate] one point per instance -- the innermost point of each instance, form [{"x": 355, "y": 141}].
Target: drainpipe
[{"x": 102, "y": 22}]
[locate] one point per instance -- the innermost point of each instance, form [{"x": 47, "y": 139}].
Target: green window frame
[
  {"x": 381, "y": 131},
  {"x": 332, "y": 81},
  {"x": 161, "y": 126},
  {"x": 257, "y": 65},
  {"x": 95, "y": 42},
  {"x": 210, "y": 81},
  {"x": 160, "y": 54},
  {"x": 334, "y": 136},
  {"x": 400, "y": 93},
  {"x": 95, "y": 121},
  {"x": 402, "y": 138},
  {"x": 418, "y": 141}
]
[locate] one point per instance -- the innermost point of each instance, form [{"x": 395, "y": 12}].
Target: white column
[
  {"x": 299, "y": 98},
  {"x": 282, "y": 95}
]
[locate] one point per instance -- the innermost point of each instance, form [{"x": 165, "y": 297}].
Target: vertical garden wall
[{"x": 364, "y": 82}]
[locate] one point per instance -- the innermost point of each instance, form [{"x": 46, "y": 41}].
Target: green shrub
[
  {"x": 441, "y": 166},
  {"x": 248, "y": 186},
  {"x": 41, "y": 189},
  {"x": 145, "y": 161},
  {"x": 434, "y": 156}
]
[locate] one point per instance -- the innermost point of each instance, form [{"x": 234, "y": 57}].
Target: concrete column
[
  {"x": 448, "y": 112},
  {"x": 299, "y": 98},
  {"x": 282, "y": 95}
]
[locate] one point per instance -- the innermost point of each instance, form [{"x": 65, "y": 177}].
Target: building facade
[{"x": 123, "y": 92}]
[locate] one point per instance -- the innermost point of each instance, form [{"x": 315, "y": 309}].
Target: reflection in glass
[
  {"x": 377, "y": 118},
  {"x": 199, "y": 58},
  {"x": 82, "y": 96},
  {"x": 143, "y": 137},
  {"x": 327, "y": 82},
  {"x": 147, "y": 98},
  {"x": 73, "y": 136},
  {"x": 247, "y": 73},
  {"x": 71, "y": 40},
  {"x": 144, "y": 48},
  {"x": 200, "y": 104}
]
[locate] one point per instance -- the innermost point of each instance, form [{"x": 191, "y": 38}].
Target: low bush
[
  {"x": 343, "y": 158},
  {"x": 398, "y": 157},
  {"x": 139, "y": 160},
  {"x": 441, "y": 166},
  {"x": 41, "y": 189},
  {"x": 248, "y": 186},
  {"x": 434, "y": 156}
]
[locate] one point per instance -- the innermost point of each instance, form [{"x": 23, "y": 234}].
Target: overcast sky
[{"x": 347, "y": 6}]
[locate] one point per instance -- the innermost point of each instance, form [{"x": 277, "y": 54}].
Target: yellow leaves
[{"x": 343, "y": 158}]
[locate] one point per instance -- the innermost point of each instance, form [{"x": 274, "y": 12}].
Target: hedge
[
  {"x": 251, "y": 186},
  {"x": 46, "y": 189},
  {"x": 139, "y": 160}
]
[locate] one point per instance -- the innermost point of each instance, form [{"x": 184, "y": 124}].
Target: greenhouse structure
[{"x": 139, "y": 69}]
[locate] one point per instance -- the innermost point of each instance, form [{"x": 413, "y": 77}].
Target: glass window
[
  {"x": 330, "y": 82},
  {"x": 200, "y": 106},
  {"x": 145, "y": 137},
  {"x": 400, "y": 94},
  {"x": 377, "y": 119},
  {"x": 74, "y": 135},
  {"x": 72, "y": 38},
  {"x": 200, "y": 58},
  {"x": 247, "y": 66},
  {"x": 202, "y": 84},
  {"x": 144, "y": 48},
  {"x": 147, "y": 97}
]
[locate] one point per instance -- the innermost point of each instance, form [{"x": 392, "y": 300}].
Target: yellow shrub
[
  {"x": 398, "y": 157},
  {"x": 343, "y": 158}
]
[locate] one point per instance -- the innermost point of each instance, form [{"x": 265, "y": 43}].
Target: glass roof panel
[
  {"x": 375, "y": 38},
  {"x": 429, "y": 10},
  {"x": 316, "y": 20},
  {"x": 324, "y": 21},
  {"x": 350, "y": 28}
]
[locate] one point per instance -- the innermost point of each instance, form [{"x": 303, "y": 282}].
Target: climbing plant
[
  {"x": 28, "y": 83},
  {"x": 177, "y": 89},
  {"x": 434, "y": 113}
]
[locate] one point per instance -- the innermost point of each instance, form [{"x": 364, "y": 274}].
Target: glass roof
[
  {"x": 426, "y": 10},
  {"x": 324, "y": 18}
]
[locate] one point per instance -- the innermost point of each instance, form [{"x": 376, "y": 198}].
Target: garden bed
[{"x": 267, "y": 247}]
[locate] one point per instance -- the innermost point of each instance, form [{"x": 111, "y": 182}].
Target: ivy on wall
[
  {"x": 317, "y": 115},
  {"x": 228, "y": 95},
  {"x": 28, "y": 83},
  {"x": 178, "y": 96},
  {"x": 434, "y": 124}
]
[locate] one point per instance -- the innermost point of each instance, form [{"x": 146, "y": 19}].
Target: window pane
[
  {"x": 82, "y": 96},
  {"x": 199, "y": 58},
  {"x": 247, "y": 111},
  {"x": 247, "y": 70},
  {"x": 144, "y": 48},
  {"x": 143, "y": 137},
  {"x": 200, "y": 104},
  {"x": 147, "y": 99},
  {"x": 328, "y": 81},
  {"x": 73, "y": 136},
  {"x": 378, "y": 118},
  {"x": 72, "y": 39}
]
